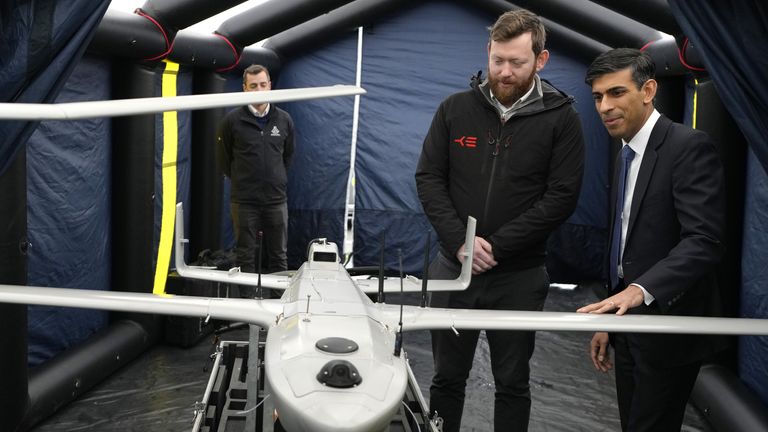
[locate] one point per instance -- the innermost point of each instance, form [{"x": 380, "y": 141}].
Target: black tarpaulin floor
[{"x": 158, "y": 391}]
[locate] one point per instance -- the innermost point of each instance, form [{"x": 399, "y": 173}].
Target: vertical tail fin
[
  {"x": 469, "y": 249},
  {"x": 181, "y": 265}
]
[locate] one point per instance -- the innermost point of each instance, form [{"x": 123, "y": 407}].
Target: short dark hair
[
  {"x": 641, "y": 64},
  {"x": 255, "y": 69},
  {"x": 514, "y": 23}
]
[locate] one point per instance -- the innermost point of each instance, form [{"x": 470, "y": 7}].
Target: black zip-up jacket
[
  {"x": 520, "y": 179},
  {"x": 256, "y": 159}
]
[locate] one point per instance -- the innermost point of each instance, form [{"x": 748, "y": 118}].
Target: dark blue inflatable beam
[
  {"x": 130, "y": 36},
  {"x": 13, "y": 270},
  {"x": 213, "y": 52},
  {"x": 654, "y": 13},
  {"x": 312, "y": 33},
  {"x": 71, "y": 374},
  {"x": 713, "y": 118},
  {"x": 593, "y": 21},
  {"x": 180, "y": 14},
  {"x": 133, "y": 183},
  {"x": 273, "y": 17},
  {"x": 205, "y": 181},
  {"x": 557, "y": 33},
  {"x": 362, "y": 12},
  {"x": 726, "y": 402}
]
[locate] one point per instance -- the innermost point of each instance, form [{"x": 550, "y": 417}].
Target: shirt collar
[
  {"x": 639, "y": 142},
  {"x": 253, "y": 111}
]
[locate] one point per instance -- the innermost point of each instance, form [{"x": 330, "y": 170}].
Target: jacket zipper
[
  {"x": 263, "y": 152},
  {"x": 494, "y": 155}
]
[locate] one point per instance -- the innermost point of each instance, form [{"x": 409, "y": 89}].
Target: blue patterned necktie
[{"x": 627, "y": 154}]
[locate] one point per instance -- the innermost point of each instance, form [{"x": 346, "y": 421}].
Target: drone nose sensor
[{"x": 339, "y": 374}]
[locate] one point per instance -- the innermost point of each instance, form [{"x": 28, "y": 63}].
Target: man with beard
[{"x": 509, "y": 152}]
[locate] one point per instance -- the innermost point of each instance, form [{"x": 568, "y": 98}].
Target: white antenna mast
[{"x": 349, "y": 203}]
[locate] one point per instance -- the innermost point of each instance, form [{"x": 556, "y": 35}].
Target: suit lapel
[{"x": 646, "y": 168}]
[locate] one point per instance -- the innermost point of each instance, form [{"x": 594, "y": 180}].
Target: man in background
[{"x": 254, "y": 148}]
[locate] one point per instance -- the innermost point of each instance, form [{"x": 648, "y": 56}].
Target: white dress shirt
[
  {"x": 638, "y": 143},
  {"x": 255, "y": 112}
]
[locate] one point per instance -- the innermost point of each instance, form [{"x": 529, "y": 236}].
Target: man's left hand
[
  {"x": 621, "y": 302},
  {"x": 482, "y": 258}
]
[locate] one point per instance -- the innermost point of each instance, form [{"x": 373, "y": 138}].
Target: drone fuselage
[{"x": 365, "y": 380}]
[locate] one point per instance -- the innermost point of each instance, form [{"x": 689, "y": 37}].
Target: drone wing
[
  {"x": 370, "y": 285},
  {"x": 417, "y": 318},
  {"x": 259, "y": 312},
  {"x": 232, "y": 276},
  {"x": 125, "y": 107}
]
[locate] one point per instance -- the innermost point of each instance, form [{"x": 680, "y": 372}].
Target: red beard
[{"x": 509, "y": 95}]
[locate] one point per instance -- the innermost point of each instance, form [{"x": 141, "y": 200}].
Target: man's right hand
[
  {"x": 598, "y": 351},
  {"x": 482, "y": 258}
]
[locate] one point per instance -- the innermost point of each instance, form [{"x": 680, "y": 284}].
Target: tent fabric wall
[
  {"x": 69, "y": 204},
  {"x": 41, "y": 43},
  {"x": 405, "y": 83},
  {"x": 732, "y": 38},
  {"x": 752, "y": 350},
  {"x": 317, "y": 177},
  {"x": 410, "y": 64}
]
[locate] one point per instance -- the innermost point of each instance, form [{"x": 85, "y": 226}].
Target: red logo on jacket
[{"x": 467, "y": 141}]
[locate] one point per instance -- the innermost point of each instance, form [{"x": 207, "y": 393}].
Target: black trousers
[
  {"x": 651, "y": 398},
  {"x": 510, "y": 350},
  {"x": 272, "y": 221}
]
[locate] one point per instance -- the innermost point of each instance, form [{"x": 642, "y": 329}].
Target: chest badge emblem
[{"x": 466, "y": 141}]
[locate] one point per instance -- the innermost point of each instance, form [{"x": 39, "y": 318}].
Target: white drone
[{"x": 333, "y": 359}]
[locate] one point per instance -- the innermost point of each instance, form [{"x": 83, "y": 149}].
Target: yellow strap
[
  {"x": 695, "y": 101},
  {"x": 170, "y": 144}
]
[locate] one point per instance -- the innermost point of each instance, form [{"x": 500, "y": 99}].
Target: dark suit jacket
[{"x": 674, "y": 239}]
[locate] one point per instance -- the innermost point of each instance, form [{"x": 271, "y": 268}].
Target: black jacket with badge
[
  {"x": 256, "y": 159},
  {"x": 520, "y": 179}
]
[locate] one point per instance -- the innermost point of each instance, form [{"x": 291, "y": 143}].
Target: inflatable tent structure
[{"x": 83, "y": 200}]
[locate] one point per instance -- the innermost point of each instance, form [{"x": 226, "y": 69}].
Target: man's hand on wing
[
  {"x": 621, "y": 302},
  {"x": 482, "y": 258}
]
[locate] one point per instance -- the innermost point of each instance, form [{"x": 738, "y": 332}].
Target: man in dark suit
[{"x": 666, "y": 242}]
